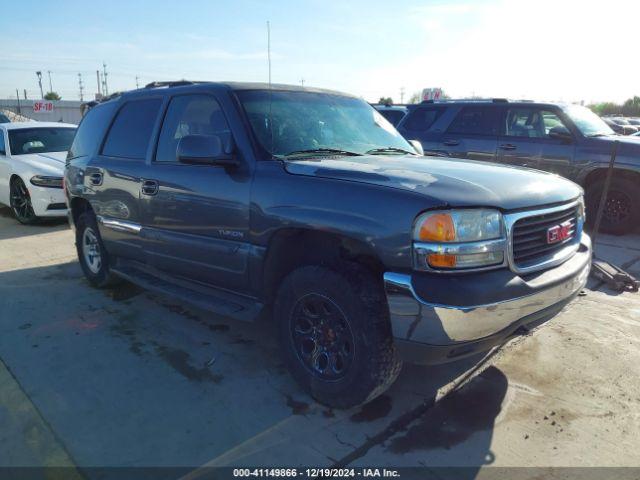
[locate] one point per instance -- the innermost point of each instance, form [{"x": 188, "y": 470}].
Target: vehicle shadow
[
  {"x": 127, "y": 378},
  {"x": 11, "y": 228}
]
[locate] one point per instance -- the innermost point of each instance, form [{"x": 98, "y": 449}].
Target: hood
[
  {"x": 626, "y": 144},
  {"x": 451, "y": 182},
  {"x": 50, "y": 163}
]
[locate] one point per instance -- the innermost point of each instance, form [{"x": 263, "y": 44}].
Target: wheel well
[
  {"x": 78, "y": 207},
  {"x": 293, "y": 248},
  {"x": 599, "y": 173}
]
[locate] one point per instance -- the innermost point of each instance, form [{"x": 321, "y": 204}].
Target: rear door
[
  {"x": 196, "y": 218},
  {"x": 473, "y": 133},
  {"x": 115, "y": 178},
  {"x": 525, "y": 140}
]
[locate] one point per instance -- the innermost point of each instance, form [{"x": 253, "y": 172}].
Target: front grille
[
  {"x": 530, "y": 243},
  {"x": 57, "y": 206}
]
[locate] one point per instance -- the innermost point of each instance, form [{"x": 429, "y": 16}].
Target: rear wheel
[
  {"x": 21, "y": 202},
  {"x": 92, "y": 255},
  {"x": 335, "y": 333},
  {"x": 622, "y": 208}
]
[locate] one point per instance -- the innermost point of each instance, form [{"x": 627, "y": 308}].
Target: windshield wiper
[
  {"x": 375, "y": 151},
  {"x": 601, "y": 135},
  {"x": 329, "y": 151}
]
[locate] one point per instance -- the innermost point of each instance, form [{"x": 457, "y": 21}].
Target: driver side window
[
  {"x": 531, "y": 122},
  {"x": 191, "y": 115}
]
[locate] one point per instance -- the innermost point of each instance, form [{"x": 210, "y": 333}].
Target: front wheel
[
  {"x": 335, "y": 333},
  {"x": 622, "y": 208},
  {"x": 21, "y": 202},
  {"x": 92, "y": 255}
]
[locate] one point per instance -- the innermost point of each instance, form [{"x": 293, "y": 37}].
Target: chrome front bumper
[{"x": 416, "y": 319}]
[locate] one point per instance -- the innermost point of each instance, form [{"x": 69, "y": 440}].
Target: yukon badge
[{"x": 558, "y": 233}]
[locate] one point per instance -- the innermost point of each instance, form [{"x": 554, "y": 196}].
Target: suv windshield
[
  {"x": 309, "y": 123},
  {"x": 40, "y": 140},
  {"x": 589, "y": 124}
]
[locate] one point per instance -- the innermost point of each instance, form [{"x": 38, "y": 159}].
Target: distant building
[{"x": 66, "y": 111}]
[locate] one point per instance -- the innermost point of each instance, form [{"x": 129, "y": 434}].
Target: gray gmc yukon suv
[{"x": 307, "y": 203}]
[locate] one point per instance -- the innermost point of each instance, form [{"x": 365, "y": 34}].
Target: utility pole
[
  {"x": 25, "y": 93},
  {"x": 50, "y": 84},
  {"x": 18, "y": 97},
  {"x": 269, "y": 50},
  {"x": 39, "y": 75},
  {"x": 401, "y": 94},
  {"x": 104, "y": 79},
  {"x": 137, "y": 86},
  {"x": 98, "y": 80},
  {"x": 80, "y": 86},
  {"x": 302, "y": 82}
]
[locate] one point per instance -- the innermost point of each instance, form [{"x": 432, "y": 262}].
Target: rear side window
[
  {"x": 91, "y": 130},
  {"x": 130, "y": 133},
  {"x": 421, "y": 119},
  {"x": 190, "y": 115},
  {"x": 475, "y": 121},
  {"x": 3, "y": 149}
]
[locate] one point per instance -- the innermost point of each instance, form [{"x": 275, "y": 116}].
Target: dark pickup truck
[{"x": 308, "y": 204}]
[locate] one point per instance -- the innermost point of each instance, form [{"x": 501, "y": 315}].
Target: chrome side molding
[{"x": 119, "y": 225}]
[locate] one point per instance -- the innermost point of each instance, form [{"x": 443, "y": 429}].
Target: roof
[
  {"x": 35, "y": 124},
  {"x": 237, "y": 86}
]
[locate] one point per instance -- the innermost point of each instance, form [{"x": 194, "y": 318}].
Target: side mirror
[
  {"x": 560, "y": 132},
  {"x": 205, "y": 150},
  {"x": 417, "y": 146}
]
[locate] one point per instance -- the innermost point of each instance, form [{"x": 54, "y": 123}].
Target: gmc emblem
[{"x": 559, "y": 233}]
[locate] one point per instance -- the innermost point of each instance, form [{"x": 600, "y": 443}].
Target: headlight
[
  {"x": 44, "y": 181},
  {"x": 457, "y": 239}
]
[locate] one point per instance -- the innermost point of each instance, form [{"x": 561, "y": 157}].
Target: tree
[
  {"x": 630, "y": 108},
  {"x": 385, "y": 101},
  {"x": 52, "y": 96}
]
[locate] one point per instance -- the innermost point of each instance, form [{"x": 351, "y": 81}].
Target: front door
[
  {"x": 196, "y": 222},
  {"x": 526, "y": 141},
  {"x": 473, "y": 133},
  {"x": 4, "y": 170}
]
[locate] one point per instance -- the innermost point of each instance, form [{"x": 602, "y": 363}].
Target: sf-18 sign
[{"x": 42, "y": 106}]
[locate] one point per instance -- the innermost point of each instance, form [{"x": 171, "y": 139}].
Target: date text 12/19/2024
[{"x": 316, "y": 472}]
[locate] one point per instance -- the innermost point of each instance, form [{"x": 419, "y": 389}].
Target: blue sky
[{"x": 548, "y": 49}]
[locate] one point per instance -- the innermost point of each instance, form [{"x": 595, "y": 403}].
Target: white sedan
[{"x": 32, "y": 157}]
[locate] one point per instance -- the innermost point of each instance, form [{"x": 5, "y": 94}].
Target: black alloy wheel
[
  {"x": 322, "y": 337},
  {"x": 21, "y": 202}
]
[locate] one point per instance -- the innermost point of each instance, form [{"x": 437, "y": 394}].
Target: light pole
[
  {"x": 50, "y": 84},
  {"x": 39, "y": 74}
]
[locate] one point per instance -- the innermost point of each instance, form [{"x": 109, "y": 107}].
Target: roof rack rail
[
  {"x": 171, "y": 83},
  {"x": 468, "y": 100}
]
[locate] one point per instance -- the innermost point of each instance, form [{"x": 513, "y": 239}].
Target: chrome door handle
[
  {"x": 451, "y": 143},
  {"x": 95, "y": 179},
  {"x": 149, "y": 187},
  {"x": 507, "y": 146}
]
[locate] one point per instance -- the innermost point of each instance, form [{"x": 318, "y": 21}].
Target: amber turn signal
[
  {"x": 438, "y": 227},
  {"x": 441, "y": 260}
]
